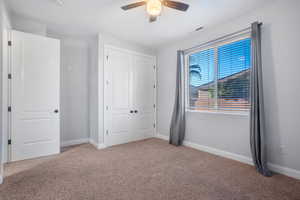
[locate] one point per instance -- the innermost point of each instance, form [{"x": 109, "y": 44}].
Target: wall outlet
[{"x": 282, "y": 149}]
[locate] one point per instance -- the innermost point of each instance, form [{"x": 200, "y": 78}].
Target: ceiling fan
[{"x": 154, "y": 7}]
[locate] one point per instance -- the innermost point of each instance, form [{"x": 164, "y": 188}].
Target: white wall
[
  {"x": 74, "y": 90},
  {"x": 93, "y": 90},
  {"x": 280, "y": 43},
  {"x": 96, "y": 85},
  {"x": 4, "y": 26}
]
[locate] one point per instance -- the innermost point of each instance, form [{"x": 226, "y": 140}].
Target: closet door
[
  {"x": 118, "y": 97},
  {"x": 144, "y": 96},
  {"x": 129, "y": 112}
]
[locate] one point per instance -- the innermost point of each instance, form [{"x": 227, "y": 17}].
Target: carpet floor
[{"x": 144, "y": 170}]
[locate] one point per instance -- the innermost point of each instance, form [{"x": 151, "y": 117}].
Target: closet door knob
[
  {"x": 135, "y": 111},
  {"x": 131, "y": 111},
  {"x": 56, "y": 111}
]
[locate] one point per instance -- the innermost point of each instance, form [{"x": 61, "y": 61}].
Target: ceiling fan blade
[
  {"x": 176, "y": 5},
  {"x": 152, "y": 19},
  {"x": 133, "y": 5}
]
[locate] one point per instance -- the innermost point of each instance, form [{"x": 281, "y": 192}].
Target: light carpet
[{"x": 145, "y": 170}]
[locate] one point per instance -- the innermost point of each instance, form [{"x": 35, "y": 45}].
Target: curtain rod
[{"x": 218, "y": 39}]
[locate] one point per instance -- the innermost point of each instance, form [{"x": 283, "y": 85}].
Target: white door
[
  {"x": 143, "y": 96},
  {"x": 129, "y": 112},
  {"x": 118, "y": 97},
  {"x": 35, "y": 120}
]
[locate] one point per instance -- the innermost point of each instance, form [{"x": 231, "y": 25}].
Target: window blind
[
  {"x": 219, "y": 77},
  {"x": 202, "y": 80},
  {"x": 234, "y": 75}
]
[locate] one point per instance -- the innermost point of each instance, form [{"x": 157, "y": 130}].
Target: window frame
[{"x": 215, "y": 46}]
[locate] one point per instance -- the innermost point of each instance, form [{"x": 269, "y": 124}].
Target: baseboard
[
  {"x": 93, "y": 142},
  {"x": 211, "y": 150},
  {"x": 164, "y": 137},
  {"x": 74, "y": 142},
  {"x": 101, "y": 146},
  {"x": 219, "y": 152},
  {"x": 244, "y": 159},
  {"x": 96, "y": 145},
  {"x": 284, "y": 170},
  {"x": 1, "y": 179}
]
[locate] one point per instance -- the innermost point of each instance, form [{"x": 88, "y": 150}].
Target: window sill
[{"x": 230, "y": 113}]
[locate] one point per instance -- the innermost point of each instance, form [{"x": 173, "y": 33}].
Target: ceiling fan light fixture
[{"x": 154, "y": 7}]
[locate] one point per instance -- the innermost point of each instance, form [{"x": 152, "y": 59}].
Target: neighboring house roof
[{"x": 239, "y": 76}]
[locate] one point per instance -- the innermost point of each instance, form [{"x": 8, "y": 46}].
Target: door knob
[
  {"x": 56, "y": 111},
  {"x": 131, "y": 111},
  {"x": 135, "y": 111}
]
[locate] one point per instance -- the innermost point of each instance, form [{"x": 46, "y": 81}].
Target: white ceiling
[{"x": 88, "y": 17}]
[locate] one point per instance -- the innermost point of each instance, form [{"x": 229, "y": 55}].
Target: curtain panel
[
  {"x": 177, "y": 129},
  {"x": 257, "y": 115}
]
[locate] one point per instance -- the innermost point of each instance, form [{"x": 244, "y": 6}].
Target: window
[{"x": 219, "y": 77}]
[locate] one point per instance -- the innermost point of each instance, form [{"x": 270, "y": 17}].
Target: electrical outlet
[{"x": 282, "y": 149}]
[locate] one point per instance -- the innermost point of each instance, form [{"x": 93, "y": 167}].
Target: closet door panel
[
  {"x": 120, "y": 81},
  {"x": 144, "y": 81},
  {"x": 144, "y": 95},
  {"x": 144, "y": 125},
  {"x": 118, "y": 97}
]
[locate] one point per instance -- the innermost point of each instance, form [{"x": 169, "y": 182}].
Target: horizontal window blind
[
  {"x": 202, "y": 80},
  {"x": 219, "y": 77},
  {"x": 234, "y": 75}
]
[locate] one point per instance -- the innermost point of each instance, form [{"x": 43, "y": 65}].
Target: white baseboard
[
  {"x": 164, "y": 137},
  {"x": 1, "y": 179},
  {"x": 74, "y": 142},
  {"x": 284, "y": 170},
  {"x": 95, "y": 144},
  {"x": 244, "y": 159},
  {"x": 219, "y": 152},
  {"x": 101, "y": 146},
  {"x": 83, "y": 141}
]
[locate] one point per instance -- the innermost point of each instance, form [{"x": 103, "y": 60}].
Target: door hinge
[
  {"x": 9, "y": 43},
  {"x": 153, "y": 66},
  {"x": 154, "y": 86},
  {"x": 154, "y": 106},
  {"x": 106, "y": 107},
  {"x": 9, "y": 109},
  {"x": 9, "y": 76},
  {"x": 106, "y": 132},
  {"x": 154, "y": 125},
  {"x": 106, "y": 57},
  {"x": 9, "y": 142}
]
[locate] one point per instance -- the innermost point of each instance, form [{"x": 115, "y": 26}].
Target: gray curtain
[
  {"x": 177, "y": 129},
  {"x": 257, "y": 120}
]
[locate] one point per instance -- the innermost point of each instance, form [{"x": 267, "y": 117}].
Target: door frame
[
  {"x": 105, "y": 82},
  {"x": 6, "y": 91},
  {"x": 4, "y": 98}
]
